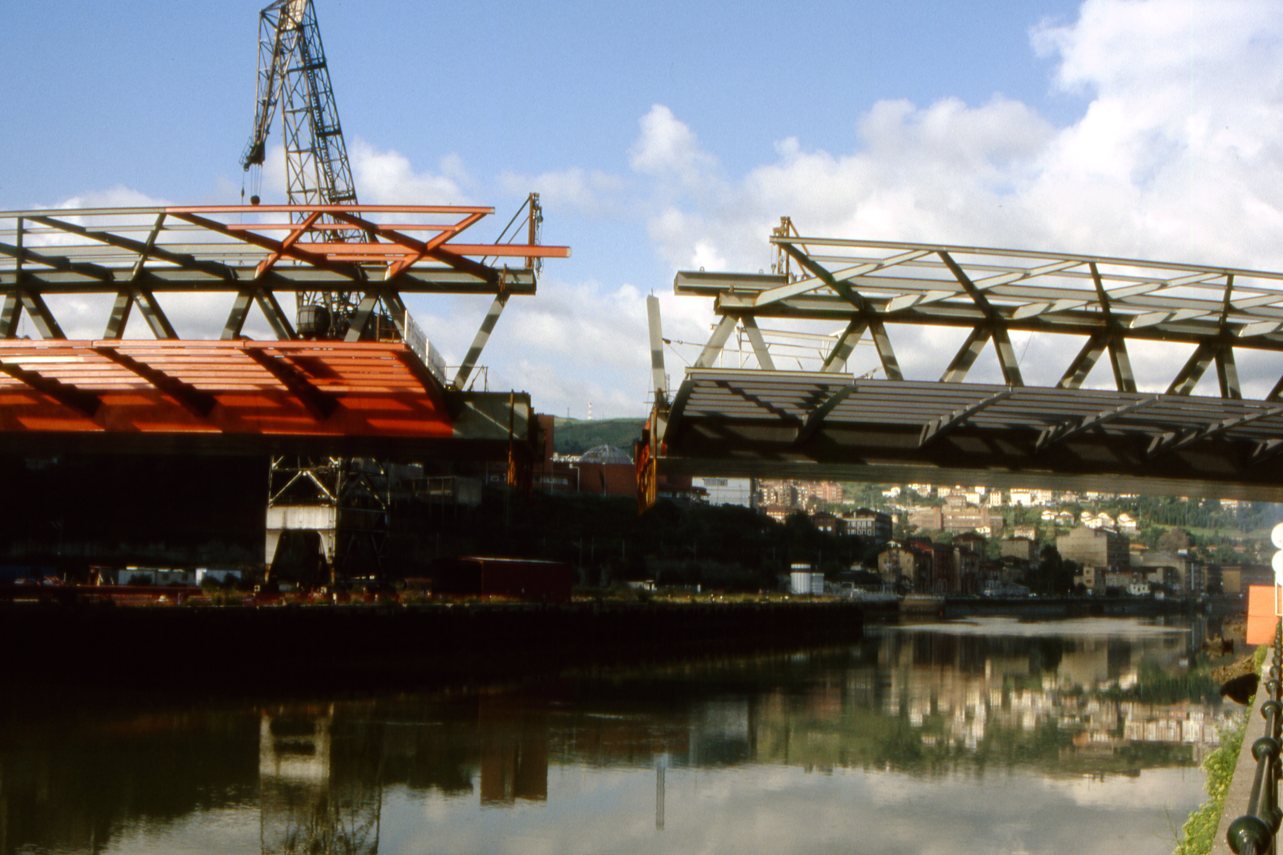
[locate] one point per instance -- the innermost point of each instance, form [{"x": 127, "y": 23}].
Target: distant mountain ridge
[{"x": 575, "y": 436}]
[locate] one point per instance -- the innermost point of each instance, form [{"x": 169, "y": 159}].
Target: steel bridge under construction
[
  {"x": 193, "y": 281},
  {"x": 383, "y": 387},
  {"x": 836, "y": 420}
]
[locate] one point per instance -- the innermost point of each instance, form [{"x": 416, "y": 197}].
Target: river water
[{"x": 987, "y": 735}]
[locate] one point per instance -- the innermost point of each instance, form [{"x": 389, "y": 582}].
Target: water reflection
[{"x": 682, "y": 749}]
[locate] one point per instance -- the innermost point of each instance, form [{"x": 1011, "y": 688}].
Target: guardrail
[{"x": 1254, "y": 832}]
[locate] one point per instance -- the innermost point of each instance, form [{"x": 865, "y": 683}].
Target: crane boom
[{"x": 294, "y": 78}]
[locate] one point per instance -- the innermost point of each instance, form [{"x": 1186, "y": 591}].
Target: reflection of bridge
[{"x": 759, "y": 417}]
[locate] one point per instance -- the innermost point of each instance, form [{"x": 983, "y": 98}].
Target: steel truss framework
[
  {"x": 826, "y": 423},
  {"x": 256, "y": 253}
]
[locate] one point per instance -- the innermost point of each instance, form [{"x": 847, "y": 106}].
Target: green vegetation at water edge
[{"x": 1199, "y": 831}]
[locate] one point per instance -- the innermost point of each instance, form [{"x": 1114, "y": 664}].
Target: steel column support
[
  {"x": 1121, "y": 363},
  {"x": 275, "y": 316},
  {"x": 361, "y": 317},
  {"x": 121, "y": 308},
  {"x": 40, "y": 315},
  {"x": 1193, "y": 370},
  {"x": 1227, "y": 373},
  {"x": 479, "y": 341},
  {"x": 716, "y": 342},
  {"x": 654, "y": 328},
  {"x": 966, "y": 356},
  {"x": 846, "y": 344},
  {"x": 155, "y": 317},
  {"x": 236, "y": 317},
  {"x": 882, "y": 342},
  {"x": 10, "y": 314},
  {"x": 758, "y": 344},
  {"x": 1083, "y": 363},
  {"x": 1007, "y": 357}
]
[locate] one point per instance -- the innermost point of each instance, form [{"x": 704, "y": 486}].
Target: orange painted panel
[
  {"x": 360, "y": 389},
  {"x": 1263, "y": 607}
]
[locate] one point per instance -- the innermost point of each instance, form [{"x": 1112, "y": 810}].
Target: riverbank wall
[
  {"x": 354, "y": 648},
  {"x": 1050, "y": 608}
]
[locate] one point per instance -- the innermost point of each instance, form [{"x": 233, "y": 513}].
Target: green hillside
[{"x": 574, "y": 436}]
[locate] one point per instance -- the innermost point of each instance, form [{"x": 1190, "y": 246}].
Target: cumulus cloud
[
  {"x": 667, "y": 149},
  {"x": 1174, "y": 157},
  {"x": 118, "y": 196},
  {"x": 387, "y": 176},
  {"x": 588, "y": 192}
]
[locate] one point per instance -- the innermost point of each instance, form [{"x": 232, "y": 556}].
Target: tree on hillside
[
  {"x": 1055, "y": 575},
  {"x": 1174, "y": 540}
]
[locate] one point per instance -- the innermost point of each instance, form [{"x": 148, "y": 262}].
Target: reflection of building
[
  {"x": 319, "y": 791},
  {"x": 1235, "y": 578},
  {"x": 514, "y": 753}
]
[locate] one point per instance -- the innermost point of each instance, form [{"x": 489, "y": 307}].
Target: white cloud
[
  {"x": 1174, "y": 157},
  {"x": 388, "y": 177},
  {"x": 668, "y": 150},
  {"x": 118, "y": 196},
  {"x": 571, "y": 191}
]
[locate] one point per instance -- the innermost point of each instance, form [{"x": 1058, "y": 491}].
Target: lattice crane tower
[{"x": 294, "y": 77}]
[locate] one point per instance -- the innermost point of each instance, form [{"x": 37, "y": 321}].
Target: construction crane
[{"x": 293, "y": 77}]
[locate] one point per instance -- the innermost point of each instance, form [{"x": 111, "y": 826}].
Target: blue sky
[{"x": 668, "y": 135}]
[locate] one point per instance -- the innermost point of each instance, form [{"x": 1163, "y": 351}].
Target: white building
[{"x": 726, "y": 491}]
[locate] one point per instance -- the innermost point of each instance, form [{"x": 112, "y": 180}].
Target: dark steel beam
[
  {"x": 941, "y": 427},
  {"x": 79, "y": 400},
  {"x": 318, "y": 403},
  {"x": 816, "y": 419},
  {"x": 1067, "y": 430},
  {"x": 190, "y": 398},
  {"x": 1177, "y": 440}
]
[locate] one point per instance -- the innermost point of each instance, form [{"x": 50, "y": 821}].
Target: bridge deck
[
  {"x": 216, "y": 395},
  {"x": 828, "y": 425}
]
